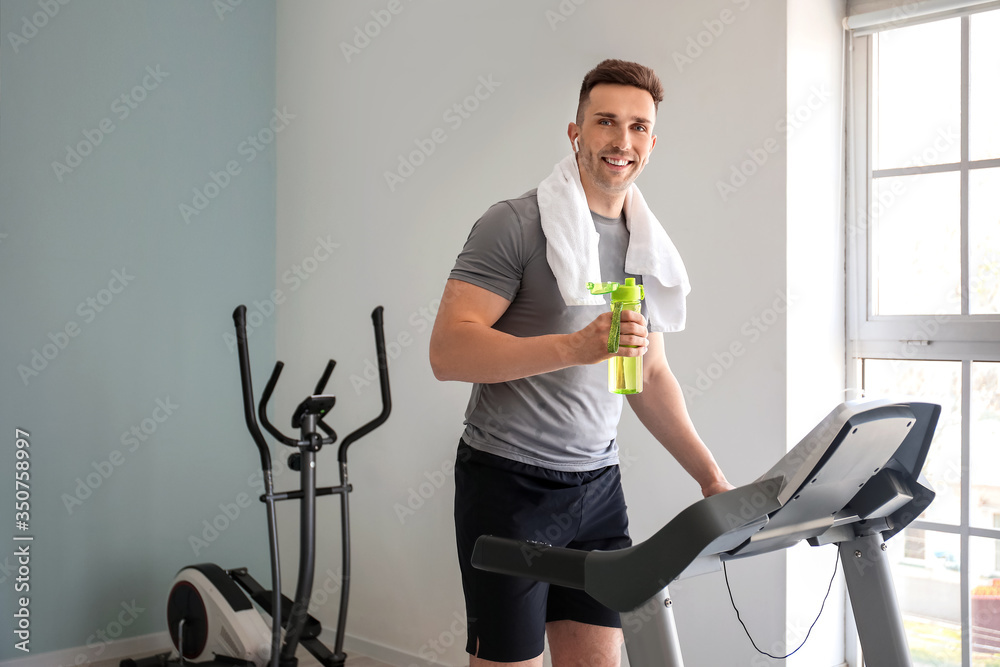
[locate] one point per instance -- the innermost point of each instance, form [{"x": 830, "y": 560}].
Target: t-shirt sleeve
[{"x": 492, "y": 256}]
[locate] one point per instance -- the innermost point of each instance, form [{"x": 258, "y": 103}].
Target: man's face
[{"x": 616, "y": 136}]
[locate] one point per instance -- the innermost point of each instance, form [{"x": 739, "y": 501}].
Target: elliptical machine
[{"x": 210, "y": 618}]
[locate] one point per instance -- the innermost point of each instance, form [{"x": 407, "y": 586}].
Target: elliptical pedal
[{"x": 262, "y": 596}]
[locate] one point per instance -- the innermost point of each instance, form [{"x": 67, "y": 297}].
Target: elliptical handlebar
[
  {"x": 239, "y": 317},
  {"x": 321, "y": 385},
  {"x": 383, "y": 377},
  {"x": 262, "y": 408},
  {"x": 240, "y": 320}
]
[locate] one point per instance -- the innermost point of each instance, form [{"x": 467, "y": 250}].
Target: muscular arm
[
  {"x": 465, "y": 346},
  {"x": 661, "y": 409}
]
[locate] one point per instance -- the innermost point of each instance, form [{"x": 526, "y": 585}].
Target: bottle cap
[{"x": 627, "y": 292}]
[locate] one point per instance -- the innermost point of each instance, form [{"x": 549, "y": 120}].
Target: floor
[{"x": 305, "y": 660}]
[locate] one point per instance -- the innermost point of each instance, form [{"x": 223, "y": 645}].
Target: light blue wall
[{"x": 111, "y": 229}]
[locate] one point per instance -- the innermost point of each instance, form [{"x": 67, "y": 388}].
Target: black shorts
[{"x": 495, "y": 496}]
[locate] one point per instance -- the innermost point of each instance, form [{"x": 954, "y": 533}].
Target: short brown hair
[{"x": 621, "y": 72}]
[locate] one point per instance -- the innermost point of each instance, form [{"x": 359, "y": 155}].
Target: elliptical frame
[
  {"x": 308, "y": 417},
  {"x": 291, "y": 616}
]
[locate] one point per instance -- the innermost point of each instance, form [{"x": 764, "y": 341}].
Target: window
[
  {"x": 924, "y": 306},
  {"x": 996, "y": 563},
  {"x": 914, "y": 544}
]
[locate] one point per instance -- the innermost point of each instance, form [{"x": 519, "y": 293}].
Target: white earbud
[{"x": 576, "y": 144}]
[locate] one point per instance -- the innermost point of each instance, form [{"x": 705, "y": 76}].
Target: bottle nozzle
[{"x": 604, "y": 288}]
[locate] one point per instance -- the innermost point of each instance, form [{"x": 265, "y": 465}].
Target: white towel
[{"x": 571, "y": 248}]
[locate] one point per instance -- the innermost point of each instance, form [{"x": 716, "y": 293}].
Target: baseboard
[
  {"x": 160, "y": 641},
  {"x": 383, "y": 653},
  {"x": 83, "y": 655}
]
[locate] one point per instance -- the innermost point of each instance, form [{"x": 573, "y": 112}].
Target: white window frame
[
  {"x": 962, "y": 337},
  {"x": 930, "y": 336}
]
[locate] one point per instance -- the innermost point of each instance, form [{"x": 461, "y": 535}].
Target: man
[{"x": 538, "y": 459}]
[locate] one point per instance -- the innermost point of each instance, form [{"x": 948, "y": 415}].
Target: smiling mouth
[{"x": 617, "y": 162}]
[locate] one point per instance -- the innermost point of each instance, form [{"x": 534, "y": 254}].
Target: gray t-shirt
[{"x": 566, "y": 420}]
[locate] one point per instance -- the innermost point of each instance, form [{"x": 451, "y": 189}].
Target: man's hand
[
  {"x": 590, "y": 344},
  {"x": 465, "y": 347},
  {"x": 720, "y": 486}
]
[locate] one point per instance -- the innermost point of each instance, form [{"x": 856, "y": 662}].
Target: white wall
[
  {"x": 816, "y": 278},
  {"x": 726, "y": 99}
]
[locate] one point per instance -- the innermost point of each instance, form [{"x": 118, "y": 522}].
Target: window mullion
[
  {"x": 871, "y": 109},
  {"x": 965, "y": 519},
  {"x": 964, "y": 167}
]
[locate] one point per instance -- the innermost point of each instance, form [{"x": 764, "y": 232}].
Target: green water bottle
[{"x": 624, "y": 373}]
